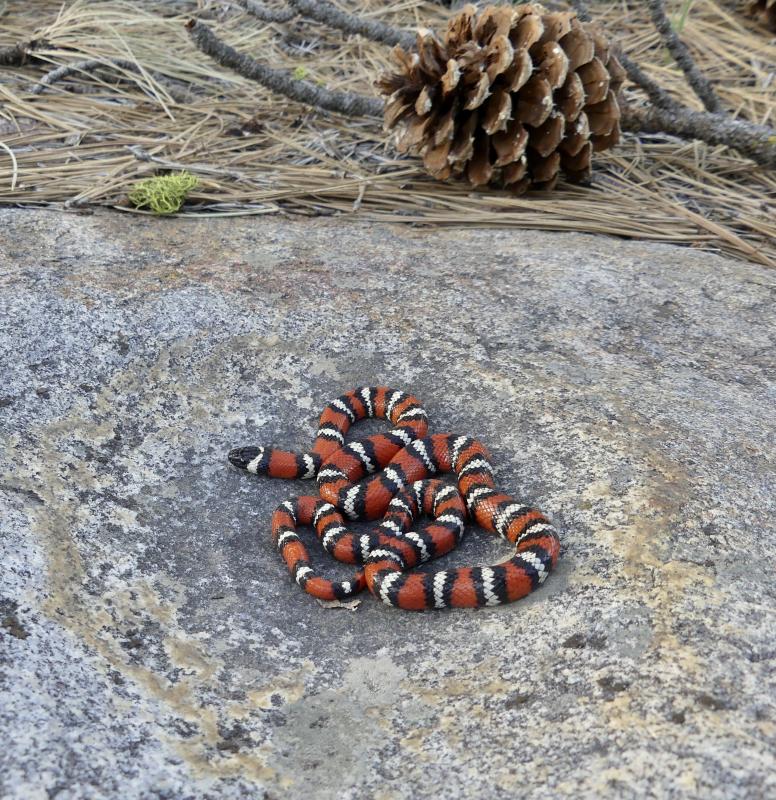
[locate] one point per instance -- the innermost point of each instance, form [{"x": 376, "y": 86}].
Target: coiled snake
[{"x": 400, "y": 491}]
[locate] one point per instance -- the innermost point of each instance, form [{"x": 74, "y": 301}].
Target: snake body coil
[{"x": 399, "y": 490}]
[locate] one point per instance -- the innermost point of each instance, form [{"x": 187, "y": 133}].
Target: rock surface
[{"x": 152, "y": 644}]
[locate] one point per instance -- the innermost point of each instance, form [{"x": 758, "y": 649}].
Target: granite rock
[{"x": 152, "y": 644}]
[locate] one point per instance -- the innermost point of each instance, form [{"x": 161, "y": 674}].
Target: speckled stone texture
[{"x": 152, "y": 644}]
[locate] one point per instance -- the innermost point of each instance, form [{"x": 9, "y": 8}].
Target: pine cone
[
  {"x": 764, "y": 11},
  {"x": 511, "y": 96}
]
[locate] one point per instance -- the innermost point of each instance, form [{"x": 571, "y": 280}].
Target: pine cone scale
[
  {"x": 479, "y": 93},
  {"x": 451, "y": 77},
  {"x": 500, "y": 57},
  {"x": 534, "y": 102},
  {"x": 546, "y": 139},
  {"x": 463, "y": 142},
  {"x": 510, "y": 145},
  {"x": 528, "y": 32},
  {"x": 578, "y": 46},
  {"x": 498, "y": 112},
  {"x": 519, "y": 72}
]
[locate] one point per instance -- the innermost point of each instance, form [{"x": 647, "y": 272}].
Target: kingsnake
[{"x": 403, "y": 459}]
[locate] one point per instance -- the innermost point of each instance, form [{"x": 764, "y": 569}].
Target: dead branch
[
  {"x": 757, "y": 142},
  {"x": 681, "y": 54},
  {"x": 328, "y": 14},
  {"x": 282, "y": 81},
  {"x": 267, "y": 14},
  {"x": 656, "y": 93},
  {"x": 92, "y": 65}
]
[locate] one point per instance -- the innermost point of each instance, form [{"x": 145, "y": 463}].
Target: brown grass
[{"x": 87, "y": 139}]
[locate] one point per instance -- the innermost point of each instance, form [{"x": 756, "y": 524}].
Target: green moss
[{"x": 163, "y": 194}]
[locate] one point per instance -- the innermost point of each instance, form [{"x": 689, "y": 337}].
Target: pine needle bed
[{"x": 88, "y": 137}]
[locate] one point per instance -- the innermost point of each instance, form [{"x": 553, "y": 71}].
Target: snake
[{"x": 390, "y": 477}]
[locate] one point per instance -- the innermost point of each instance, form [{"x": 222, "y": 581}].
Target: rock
[{"x": 152, "y": 644}]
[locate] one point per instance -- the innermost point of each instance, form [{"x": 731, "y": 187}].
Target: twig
[
  {"x": 282, "y": 81},
  {"x": 678, "y": 49},
  {"x": 656, "y": 93},
  {"x": 328, "y": 14},
  {"x": 141, "y": 154},
  {"x": 757, "y": 142},
  {"x": 260, "y": 11},
  {"x": 91, "y": 65}
]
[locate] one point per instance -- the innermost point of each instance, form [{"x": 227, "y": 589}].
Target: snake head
[{"x": 247, "y": 458}]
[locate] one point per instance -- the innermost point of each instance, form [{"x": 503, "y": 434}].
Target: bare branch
[
  {"x": 282, "y": 81},
  {"x": 266, "y": 13},
  {"x": 656, "y": 93},
  {"x": 328, "y": 14},
  {"x": 92, "y": 65},
  {"x": 678, "y": 49},
  {"x": 757, "y": 142}
]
